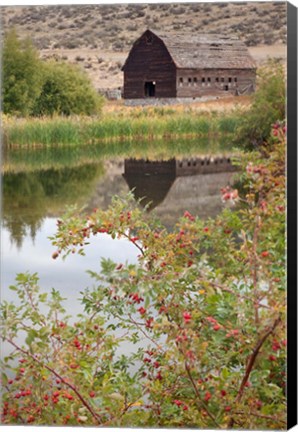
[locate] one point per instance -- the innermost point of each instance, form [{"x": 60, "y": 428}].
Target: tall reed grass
[{"x": 150, "y": 123}]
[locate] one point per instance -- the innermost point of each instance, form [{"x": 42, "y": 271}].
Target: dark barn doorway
[{"x": 149, "y": 88}]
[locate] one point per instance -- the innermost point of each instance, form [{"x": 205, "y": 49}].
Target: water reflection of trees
[{"x": 29, "y": 197}]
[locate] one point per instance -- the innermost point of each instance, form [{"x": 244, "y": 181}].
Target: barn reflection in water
[{"x": 177, "y": 184}]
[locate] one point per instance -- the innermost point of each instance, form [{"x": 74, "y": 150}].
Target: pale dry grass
[{"x": 224, "y": 105}]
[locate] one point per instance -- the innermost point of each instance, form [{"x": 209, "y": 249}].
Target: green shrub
[
  {"x": 22, "y": 75},
  {"x": 66, "y": 90},
  {"x": 268, "y": 107},
  {"x": 34, "y": 87}
]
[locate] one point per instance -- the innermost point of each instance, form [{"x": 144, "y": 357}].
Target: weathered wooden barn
[{"x": 187, "y": 66}]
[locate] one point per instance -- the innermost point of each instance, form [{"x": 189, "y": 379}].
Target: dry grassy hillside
[{"x": 98, "y": 37}]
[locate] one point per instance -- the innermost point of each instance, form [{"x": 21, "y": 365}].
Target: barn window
[
  {"x": 189, "y": 80},
  {"x": 230, "y": 80},
  {"x": 222, "y": 79},
  {"x": 149, "y": 88},
  {"x": 203, "y": 81},
  {"x": 209, "y": 79},
  {"x": 235, "y": 79},
  {"x": 181, "y": 80},
  {"x": 195, "y": 80},
  {"x": 216, "y": 79},
  {"x": 226, "y": 88}
]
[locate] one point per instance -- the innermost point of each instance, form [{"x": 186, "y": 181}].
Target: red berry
[
  {"x": 258, "y": 404},
  {"x": 272, "y": 358},
  {"x": 264, "y": 254},
  {"x": 30, "y": 419},
  {"x": 142, "y": 310},
  {"x": 102, "y": 230},
  {"x": 223, "y": 392},
  {"x": 216, "y": 327},
  {"x": 149, "y": 323},
  {"x": 92, "y": 394},
  {"x": 187, "y": 215},
  {"x": 228, "y": 408},
  {"x": 159, "y": 376},
  {"x": 134, "y": 239},
  {"x": 207, "y": 396},
  {"x": 186, "y": 317},
  {"x": 211, "y": 320}
]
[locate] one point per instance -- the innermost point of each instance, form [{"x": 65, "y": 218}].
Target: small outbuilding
[{"x": 187, "y": 66}]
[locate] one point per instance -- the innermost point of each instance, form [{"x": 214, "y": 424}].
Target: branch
[
  {"x": 132, "y": 321},
  {"x": 133, "y": 242},
  {"x": 268, "y": 417},
  {"x": 63, "y": 380},
  {"x": 240, "y": 296},
  {"x": 254, "y": 269},
  {"x": 198, "y": 394},
  {"x": 251, "y": 362}
]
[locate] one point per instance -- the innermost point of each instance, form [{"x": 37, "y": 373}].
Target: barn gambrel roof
[{"x": 205, "y": 51}]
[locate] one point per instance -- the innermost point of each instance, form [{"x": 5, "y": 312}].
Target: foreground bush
[{"x": 207, "y": 301}]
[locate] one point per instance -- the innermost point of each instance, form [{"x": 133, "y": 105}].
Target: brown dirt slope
[{"x": 98, "y": 37}]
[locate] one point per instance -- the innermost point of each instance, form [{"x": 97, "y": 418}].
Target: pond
[{"x": 39, "y": 184}]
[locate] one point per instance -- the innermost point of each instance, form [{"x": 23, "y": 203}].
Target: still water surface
[{"x": 39, "y": 185}]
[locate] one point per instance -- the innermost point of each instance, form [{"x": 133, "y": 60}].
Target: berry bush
[{"x": 203, "y": 311}]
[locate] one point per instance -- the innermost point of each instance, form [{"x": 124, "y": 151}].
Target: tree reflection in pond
[{"x": 29, "y": 197}]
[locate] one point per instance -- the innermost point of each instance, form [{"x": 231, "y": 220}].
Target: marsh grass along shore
[{"x": 140, "y": 123}]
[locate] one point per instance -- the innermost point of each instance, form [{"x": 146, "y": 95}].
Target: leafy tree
[
  {"x": 22, "y": 74},
  {"x": 66, "y": 90},
  {"x": 268, "y": 107}
]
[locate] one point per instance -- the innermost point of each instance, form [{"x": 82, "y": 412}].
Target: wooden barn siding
[
  {"x": 149, "y": 63},
  {"x": 244, "y": 78}
]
